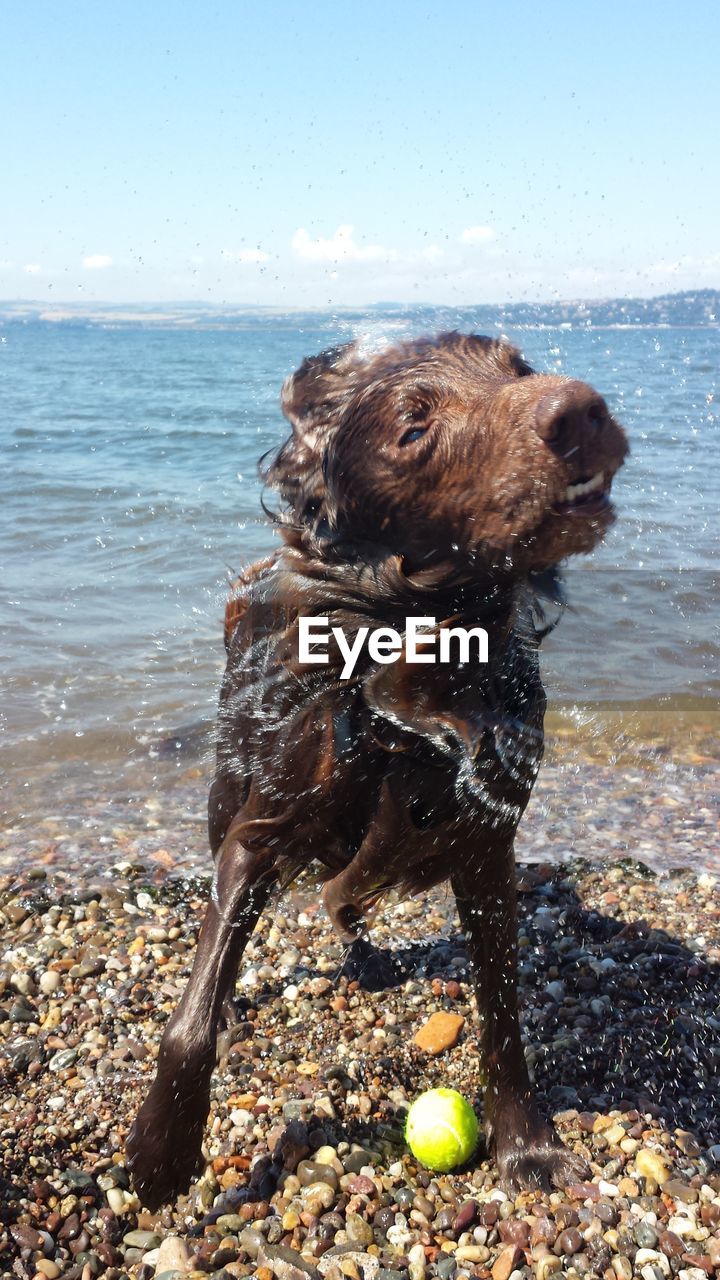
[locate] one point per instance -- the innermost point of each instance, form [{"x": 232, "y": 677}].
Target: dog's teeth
[{"x": 574, "y": 491}]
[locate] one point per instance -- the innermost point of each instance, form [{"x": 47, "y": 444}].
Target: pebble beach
[{"x": 308, "y": 1174}]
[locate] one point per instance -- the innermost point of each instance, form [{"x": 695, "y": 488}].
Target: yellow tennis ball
[{"x": 441, "y": 1129}]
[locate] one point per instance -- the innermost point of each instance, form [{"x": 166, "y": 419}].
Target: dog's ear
[{"x": 311, "y": 397}]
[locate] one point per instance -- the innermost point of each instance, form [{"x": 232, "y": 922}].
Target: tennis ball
[{"x": 441, "y": 1129}]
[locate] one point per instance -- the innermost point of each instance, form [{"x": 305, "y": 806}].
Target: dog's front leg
[
  {"x": 164, "y": 1144},
  {"x": 527, "y": 1149}
]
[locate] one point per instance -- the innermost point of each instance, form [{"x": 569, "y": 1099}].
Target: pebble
[
  {"x": 651, "y": 1165},
  {"x": 569, "y": 1242},
  {"x": 681, "y": 1226},
  {"x": 309, "y": 1171},
  {"x": 358, "y": 1230},
  {"x": 317, "y": 1196},
  {"x": 547, "y": 1265},
  {"x": 440, "y": 1032},
  {"x": 646, "y": 1237},
  {"x": 251, "y": 1240},
  {"x": 173, "y": 1255},
  {"x": 680, "y": 1191},
  {"x": 622, "y": 1267},
  {"x": 506, "y": 1262},
  {"x": 49, "y": 982},
  {"x": 229, "y": 1223},
  {"x": 142, "y": 1240},
  {"x": 47, "y": 1267},
  {"x": 116, "y": 1200}
]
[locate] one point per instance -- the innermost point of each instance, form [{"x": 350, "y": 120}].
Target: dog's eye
[{"x": 412, "y": 435}]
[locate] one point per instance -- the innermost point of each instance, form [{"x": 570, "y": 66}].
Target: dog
[{"x": 440, "y": 479}]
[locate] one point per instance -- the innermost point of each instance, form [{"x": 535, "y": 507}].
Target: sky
[{"x": 330, "y": 154}]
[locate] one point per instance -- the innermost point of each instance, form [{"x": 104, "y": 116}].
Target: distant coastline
[{"x": 696, "y": 309}]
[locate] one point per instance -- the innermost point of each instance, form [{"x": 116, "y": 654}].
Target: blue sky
[{"x": 330, "y": 153}]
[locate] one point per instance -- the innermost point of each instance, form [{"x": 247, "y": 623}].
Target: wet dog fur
[{"x": 444, "y": 478}]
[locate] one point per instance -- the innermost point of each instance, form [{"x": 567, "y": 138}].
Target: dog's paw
[
  {"x": 540, "y": 1166},
  {"x": 164, "y": 1151},
  {"x": 528, "y": 1151}
]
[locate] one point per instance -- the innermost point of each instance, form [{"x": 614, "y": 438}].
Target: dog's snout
[{"x": 566, "y": 417}]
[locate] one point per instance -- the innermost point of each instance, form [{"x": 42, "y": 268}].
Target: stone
[
  {"x": 116, "y": 1200},
  {"x": 142, "y": 1240},
  {"x": 358, "y": 1230},
  {"x": 506, "y": 1262},
  {"x": 569, "y": 1242},
  {"x": 680, "y": 1190},
  {"x": 713, "y": 1251},
  {"x": 173, "y": 1255},
  {"x": 472, "y": 1253},
  {"x": 26, "y": 1236},
  {"x": 671, "y": 1244},
  {"x": 286, "y": 1263},
  {"x": 702, "y": 1261},
  {"x": 686, "y": 1143},
  {"x": 251, "y": 1240},
  {"x": 515, "y": 1231},
  {"x": 651, "y": 1258},
  {"x": 651, "y": 1165},
  {"x": 47, "y": 1267},
  {"x": 681, "y": 1226},
  {"x": 646, "y": 1237},
  {"x": 465, "y": 1216},
  {"x": 547, "y": 1266},
  {"x": 309, "y": 1171},
  {"x": 316, "y": 1197},
  {"x": 230, "y": 1223},
  {"x": 362, "y": 1185},
  {"x": 440, "y": 1032},
  {"x": 622, "y": 1267},
  {"x": 22, "y": 1053},
  {"x": 614, "y": 1133},
  {"x": 366, "y": 1263},
  {"x": 445, "y": 1266}
]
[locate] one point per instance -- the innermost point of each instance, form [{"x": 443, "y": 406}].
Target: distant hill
[{"x": 696, "y": 308}]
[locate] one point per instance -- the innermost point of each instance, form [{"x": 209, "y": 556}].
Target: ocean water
[{"x": 129, "y": 494}]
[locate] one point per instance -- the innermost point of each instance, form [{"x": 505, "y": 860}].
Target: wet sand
[{"x": 605, "y": 791}]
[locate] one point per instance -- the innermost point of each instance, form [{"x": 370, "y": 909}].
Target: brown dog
[{"x": 438, "y": 479}]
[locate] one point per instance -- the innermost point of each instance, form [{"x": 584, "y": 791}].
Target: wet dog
[{"x": 440, "y": 479}]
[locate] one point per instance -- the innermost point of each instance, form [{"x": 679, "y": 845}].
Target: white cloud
[
  {"x": 246, "y": 255},
  {"x": 97, "y": 262},
  {"x": 32, "y": 268},
  {"x": 686, "y": 264},
  {"x": 431, "y": 253},
  {"x": 340, "y": 248},
  {"x": 476, "y": 235}
]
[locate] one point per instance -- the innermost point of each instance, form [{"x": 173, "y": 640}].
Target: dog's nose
[{"x": 570, "y": 415}]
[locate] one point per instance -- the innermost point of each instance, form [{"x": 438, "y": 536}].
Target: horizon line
[{"x": 209, "y": 305}]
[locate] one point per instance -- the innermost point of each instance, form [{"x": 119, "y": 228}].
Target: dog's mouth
[{"x": 587, "y": 497}]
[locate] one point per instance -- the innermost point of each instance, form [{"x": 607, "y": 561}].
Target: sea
[{"x": 130, "y": 495}]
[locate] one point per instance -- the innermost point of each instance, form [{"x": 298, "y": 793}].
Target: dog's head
[{"x": 447, "y": 449}]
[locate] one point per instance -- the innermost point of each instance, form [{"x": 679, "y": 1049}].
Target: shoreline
[
  {"x": 620, "y": 986},
  {"x": 601, "y": 795}
]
